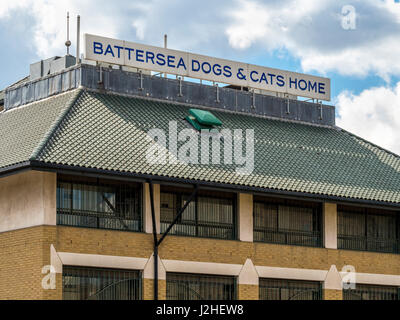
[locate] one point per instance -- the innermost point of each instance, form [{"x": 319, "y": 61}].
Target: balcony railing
[
  {"x": 289, "y": 237},
  {"x": 200, "y": 287},
  {"x": 368, "y": 244},
  {"x": 88, "y": 219},
  {"x": 371, "y": 292},
  {"x": 84, "y": 283},
  {"x": 281, "y": 289},
  {"x": 111, "y": 205}
]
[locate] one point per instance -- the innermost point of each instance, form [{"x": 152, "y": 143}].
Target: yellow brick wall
[
  {"x": 148, "y": 289},
  {"x": 24, "y": 252},
  {"x": 248, "y": 292},
  {"x": 333, "y": 294}
]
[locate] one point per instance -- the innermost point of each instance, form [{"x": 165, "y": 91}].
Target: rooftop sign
[{"x": 203, "y": 67}]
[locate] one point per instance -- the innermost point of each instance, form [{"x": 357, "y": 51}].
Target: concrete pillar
[
  {"x": 245, "y": 214},
  {"x": 147, "y": 221},
  {"x": 330, "y": 225},
  {"x": 333, "y": 285},
  {"x": 248, "y": 282}
]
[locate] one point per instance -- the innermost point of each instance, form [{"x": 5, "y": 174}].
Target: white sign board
[{"x": 203, "y": 67}]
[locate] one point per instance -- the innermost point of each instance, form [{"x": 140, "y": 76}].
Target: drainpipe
[
  {"x": 153, "y": 218},
  {"x": 157, "y": 242}
]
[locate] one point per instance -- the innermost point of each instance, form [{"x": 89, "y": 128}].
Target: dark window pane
[
  {"x": 108, "y": 206},
  {"x": 200, "y": 287},
  {"x": 81, "y": 283},
  {"x": 206, "y": 216},
  {"x": 360, "y": 229},
  {"x": 280, "y": 289},
  {"x": 291, "y": 223},
  {"x": 371, "y": 292}
]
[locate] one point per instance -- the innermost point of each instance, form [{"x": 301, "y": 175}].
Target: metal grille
[
  {"x": 207, "y": 217},
  {"x": 287, "y": 223},
  {"x": 279, "y": 289},
  {"x": 103, "y": 206},
  {"x": 371, "y": 292},
  {"x": 360, "y": 229},
  {"x": 200, "y": 287},
  {"x": 81, "y": 283}
]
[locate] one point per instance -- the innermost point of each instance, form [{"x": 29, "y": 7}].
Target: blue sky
[{"x": 358, "y": 49}]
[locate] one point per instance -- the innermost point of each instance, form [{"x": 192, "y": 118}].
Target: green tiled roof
[
  {"x": 109, "y": 132},
  {"x": 23, "y": 129}
]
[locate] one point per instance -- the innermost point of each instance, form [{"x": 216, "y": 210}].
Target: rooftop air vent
[{"x": 203, "y": 120}]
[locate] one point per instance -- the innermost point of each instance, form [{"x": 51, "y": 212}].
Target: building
[{"x": 77, "y": 220}]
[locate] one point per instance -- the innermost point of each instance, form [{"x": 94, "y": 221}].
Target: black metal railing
[
  {"x": 311, "y": 239},
  {"x": 206, "y": 217},
  {"x": 281, "y": 289},
  {"x": 371, "y": 292},
  {"x": 83, "y": 283},
  {"x": 287, "y": 224},
  {"x": 368, "y": 244},
  {"x": 368, "y": 231},
  {"x": 115, "y": 206},
  {"x": 200, "y": 287},
  {"x": 78, "y": 218}
]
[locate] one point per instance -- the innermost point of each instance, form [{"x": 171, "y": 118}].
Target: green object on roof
[
  {"x": 198, "y": 126},
  {"x": 86, "y": 129},
  {"x": 205, "y": 117}
]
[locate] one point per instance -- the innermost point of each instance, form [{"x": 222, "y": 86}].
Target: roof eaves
[
  {"x": 11, "y": 169},
  {"x": 236, "y": 187}
]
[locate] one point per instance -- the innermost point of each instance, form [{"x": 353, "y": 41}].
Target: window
[
  {"x": 287, "y": 222},
  {"x": 81, "y": 283},
  {"x": 93, "y": 204},
  {"x": 367, "y": 230},
  {"x": 279, "y": 289},
  {"x": 209, "y": 215},
  {"x": 200, "y": 287},
  {"x": 371, "y": 292}
]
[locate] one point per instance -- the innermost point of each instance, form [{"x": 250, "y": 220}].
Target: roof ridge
[
  {"x": 371, "y": 143},
  {"x": 46, "y": 138}
]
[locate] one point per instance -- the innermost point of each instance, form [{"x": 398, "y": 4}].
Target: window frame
[
  {"x": 361, "y": 289},
  {"x": 138, "y": 274},
  {"x": 136, "y": 189},
  {"x": 366, "y": 242},
  {"x": 290, "y": 284},
  {"x": 180, "y": 193},
  {"x": 195, "y": 276},
  {"x": 317, "y": 223}
]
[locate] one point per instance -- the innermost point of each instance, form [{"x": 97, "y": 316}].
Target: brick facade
[
  {"x": 24, "y": 253},
  {"x": 333, "y": 294},
  {"x": 248, "y": 292}
]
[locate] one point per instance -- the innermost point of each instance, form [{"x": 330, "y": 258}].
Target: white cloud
[
  {"x": 307, "y": 29},
  {"x": 312, "y": 31},
  {"x": 49, "y": 29},
  {"x": 374, "y": 115},
  {"x": 190, "y": 25}
]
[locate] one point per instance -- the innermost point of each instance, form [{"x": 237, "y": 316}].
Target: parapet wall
[{"x": 174, "y": 90}]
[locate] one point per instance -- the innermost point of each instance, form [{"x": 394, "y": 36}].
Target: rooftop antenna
[
  {"x": 78, "y": 33},
  {"x": 68, "y": 42},
  {"x": 165, "y": 46}
]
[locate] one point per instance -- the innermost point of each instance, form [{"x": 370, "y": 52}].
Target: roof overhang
[{"x": 171, "y": 181}]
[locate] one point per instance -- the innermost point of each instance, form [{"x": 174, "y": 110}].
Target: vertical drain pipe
[
  {"x": 153, "y": 217},
  {"x": 157, "y": 242}
]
